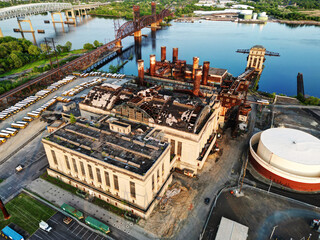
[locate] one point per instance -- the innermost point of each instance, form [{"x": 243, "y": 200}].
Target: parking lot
[{"x": 62, "y": 231}]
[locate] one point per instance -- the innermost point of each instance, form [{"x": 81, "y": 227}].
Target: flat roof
[
  {"x": 135, "y": 152},
  {"x": 292, "y": 145},
  {"x": 231, "y": 230}
]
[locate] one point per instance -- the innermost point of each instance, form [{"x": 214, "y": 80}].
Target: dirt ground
[
  {"x": 168, "y": 220},
  {"x": 283, "y": 100}
]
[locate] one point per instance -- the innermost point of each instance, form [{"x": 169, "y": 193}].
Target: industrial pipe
[
  {"x": 141, "y": 71},
  {"x": 174, "y": 55},
  {"x": 205, "y": 73},
  {"x": 194, "y": 67},
  {"x": 152, "y": 64},
  {"x": 197, "y": 82},
  {"x": 163, "y": 53}
]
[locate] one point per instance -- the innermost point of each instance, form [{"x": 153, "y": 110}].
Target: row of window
[
  {"x": 158, "y": 176},
  {"x": 173, "y": 147},
  {"x": 98, "y": 173}
]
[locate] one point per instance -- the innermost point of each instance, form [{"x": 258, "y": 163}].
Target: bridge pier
[
  {"x": 1, "y": 34},
  {"x": 154, "y": 25},
  {"x": 73, "y": 17},
  {"x": 141, "y": 72},
  {"x": 26, "y": 31},
  {"x": 54, "y": 22}
]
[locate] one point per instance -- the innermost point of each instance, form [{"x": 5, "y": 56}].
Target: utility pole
[
  {"x": 55, "y": 52},
  {"x": 269, "y": 186},
  {"x": 47, "y": 47}
]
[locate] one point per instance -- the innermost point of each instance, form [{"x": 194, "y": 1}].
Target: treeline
[
  {"x": 124, "y": 9},
  {"x": 14, "y": 53},
  {"x": 288, "y": 10}
]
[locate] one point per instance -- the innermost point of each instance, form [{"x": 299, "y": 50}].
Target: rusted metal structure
[
  {"x": 5, "y": 213},
  {"x": 141, "y": 71},
  {"x": 163, "y": 53},
  {"x": 88, "y": 59}
]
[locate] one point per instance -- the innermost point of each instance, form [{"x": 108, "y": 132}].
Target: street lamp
[{"x": 274, "y": 228}]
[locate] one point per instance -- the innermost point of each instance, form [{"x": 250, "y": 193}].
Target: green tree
[
  {"x": 34, "y": 50},
  {"x": 68, "y": 46},
  {"x": 16, "y": 60},
  {"x": 72, "y": 119},
  {"x": 44, "y": 48},
  {"x": 88, "y": 46},
  {"x": 96, "y": 43}
]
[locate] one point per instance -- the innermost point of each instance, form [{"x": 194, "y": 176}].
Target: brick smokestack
[
  {"x": 141, "y": 71},
  {"x": 153, "y": 8},
  {"x": 163, "y": 53},
  {"x": 197, "y": 82},
  {"x": 205, "y": 72},
  {"x": 174, "y": 54},
  {"x": 136, "y": 13},
  {"x": 152, "y": 64},
  {"x": 194, "y": 67},
  {"x": 5, "y": 213}
]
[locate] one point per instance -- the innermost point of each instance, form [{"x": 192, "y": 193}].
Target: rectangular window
[
  {"x": 106, "y": 175},
  {"x": 98, "y": 175},
  {"x": 162, "y": 169},
  {"x": 179, "y": 148},
  {"x": 75, "y": 168},
  {"x": 172, "y": 147},
  {"x": 152, "y": 182},
  {"x": 158, "y": 176},
  {"x": 67, "y": 162},
  {"x": 54, "y": 157},
  {"x": 133, "y": 189},
  {"x": 116, "y": 183},
  {"x": 83, "y": 171},
  {"x": 90, "y": 171}
]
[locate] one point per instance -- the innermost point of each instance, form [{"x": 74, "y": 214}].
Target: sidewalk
[{"x": 59, "y": 196}]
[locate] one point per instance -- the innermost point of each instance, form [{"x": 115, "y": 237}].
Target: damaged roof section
[{"x": 135, "y": 151}]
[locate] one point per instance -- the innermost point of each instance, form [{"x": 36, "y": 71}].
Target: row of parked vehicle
[
  {"x": 79, "y": 88},
  {"x": 23, "y": 104},
  {"x": 18, "y": 125},
  {"x": 109, "y": 75}
]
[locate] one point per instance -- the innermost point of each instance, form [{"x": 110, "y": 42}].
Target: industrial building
[
  {"x": 288, "y": 157},
  {"x": 121, "y": 162},
  {"x": 189, "y": 123}
]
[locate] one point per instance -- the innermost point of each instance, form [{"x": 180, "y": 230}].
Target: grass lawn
[
  {"x": 41, "y": 62},
  {"x": 26, "y": 212},
  {"x": 58, "y": 183},
  {"x": 73, "y": 190}
]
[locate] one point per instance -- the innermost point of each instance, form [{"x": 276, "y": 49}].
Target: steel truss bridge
[
  {"x": 90, "y": 58},
  {"x": 36, "y": 8}
]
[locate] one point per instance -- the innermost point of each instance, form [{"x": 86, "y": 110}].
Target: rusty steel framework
[{"x": 87, "y": 59}]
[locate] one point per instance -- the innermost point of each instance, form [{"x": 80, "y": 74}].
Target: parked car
[{"x": 67, "y": 220}]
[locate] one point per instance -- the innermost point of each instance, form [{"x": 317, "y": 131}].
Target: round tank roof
[{"x": 293, "y": 145}]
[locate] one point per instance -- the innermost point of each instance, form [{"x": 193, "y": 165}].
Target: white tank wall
[{"x": 286, "y": 165}]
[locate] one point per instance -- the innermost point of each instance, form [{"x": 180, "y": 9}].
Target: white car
[{"x": 45, "y": 226}]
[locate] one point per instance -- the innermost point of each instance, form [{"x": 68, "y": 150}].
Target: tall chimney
[
  {"x": 163, "y": 53},
  {"x": 205, "y": 72},
  {"x": 194, "y": 67},
  {"x": 174, "y": 55},
  {"x": 141, "y": 71},
  {"x": 300, "y": 85},
  {"x": 136, "y": 12},
  {"x": 5, "y": 213},
  {"x": 197, "y": 82},
  {"x": 152, "y": 64},
  {"x": 153, "y": 8}
]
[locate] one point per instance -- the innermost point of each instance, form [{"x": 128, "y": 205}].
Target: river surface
[{"x": 217, "y": 42}]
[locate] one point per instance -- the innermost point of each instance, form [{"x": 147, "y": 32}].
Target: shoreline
[{"x": 230, "y": 19}]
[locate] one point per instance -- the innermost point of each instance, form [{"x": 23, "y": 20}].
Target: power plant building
[{"x": 287, "y": 156}]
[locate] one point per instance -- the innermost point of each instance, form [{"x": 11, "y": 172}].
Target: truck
[
  {"x": 9, "y": 233},
  {"x": 72, "y": 211},
  {"x": 94, "y": 223},
  {"x": 45, "y": 226}
]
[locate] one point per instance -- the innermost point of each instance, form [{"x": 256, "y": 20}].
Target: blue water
[{"x": 216, "y": 42}]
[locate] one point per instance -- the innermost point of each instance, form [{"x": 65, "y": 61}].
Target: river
[{"x": 217, "y": 42}]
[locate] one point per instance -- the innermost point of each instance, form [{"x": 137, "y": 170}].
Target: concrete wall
[{"x": 145, "y": 195}]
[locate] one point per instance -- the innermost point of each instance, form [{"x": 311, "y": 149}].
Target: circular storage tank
[{"x": 287, "y": 156}]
